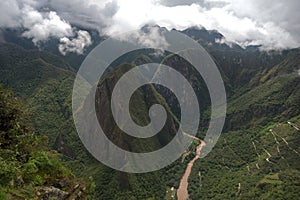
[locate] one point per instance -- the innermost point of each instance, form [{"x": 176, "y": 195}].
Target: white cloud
[
  {"x": 38, "y": 24},
  {"x": 75, "y": 45},
  {"x": 150, "y": 37},
  {"x": 271, "y": 23},
  {"x": 268, "y": 23},
  {"x": 41, "y": 26},
  {"x": 9, "y": 14}
]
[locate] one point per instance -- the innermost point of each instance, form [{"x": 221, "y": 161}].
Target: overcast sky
[{"x": 271, "y": 23}]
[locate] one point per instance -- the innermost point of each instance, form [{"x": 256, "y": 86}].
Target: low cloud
[
  {"x": 273, "y": 24},
  {"x": 150, "y": 37},
  {"x": 41, "y": 24},
  {"x": 75, "y": 45}
]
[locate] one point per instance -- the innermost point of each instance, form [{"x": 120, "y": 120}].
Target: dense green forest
[
  {"x": 28, "y": 169},
  {"x": 257, "y": 156}
]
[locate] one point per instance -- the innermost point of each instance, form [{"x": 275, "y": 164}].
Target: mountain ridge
[{"x": 263, "y": 91}]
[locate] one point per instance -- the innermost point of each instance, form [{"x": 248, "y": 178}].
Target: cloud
[
  {"x": 274, "y": 24},
  {"x": 277, "y": 23},
  {"x": 75, "y": 45},
  {"x": 10, "y": 14},
  {"x": 41, "y": 26},
  {"x": 245, "y": 30},
  {"x": 149, "y": 36},
  {"x": 95, "y": 14},
  {"x": 38, "y": 24}
]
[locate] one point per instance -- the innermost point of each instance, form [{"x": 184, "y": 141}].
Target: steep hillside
[
  {"x": 271, "y": 95},
  {"x": 211, "y": 39},
  {"x": 43, "y": 81},
  {"x": 248, "y": 162},
  {"x": 26, "y": 70},
  {"x": 258, "y": 156},
  {"x": 28, "y": 169},
  {"x": 47, "y": 89}
]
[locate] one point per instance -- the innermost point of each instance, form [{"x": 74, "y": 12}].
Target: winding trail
[
  {"x": 269, "y": 156},
  {"x": 287, "y": 144},
  {"x": 254, "y": 146},
  {"x": 182, "y": 192},
  {"x": 275, "y": 138},
  {"x": 294, "y": 125},
  {"x": 239, "y": 190}
]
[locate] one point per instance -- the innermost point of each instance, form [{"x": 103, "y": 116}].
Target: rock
[
  {"x": 79, "y": 194},
  {"x": 64, "y": 182},
  {"x": 46, "y": 193}
]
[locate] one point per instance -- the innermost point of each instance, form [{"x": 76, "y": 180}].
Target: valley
[
  {"x": 182, "y": 191},
  {"x": 256, "y": 157}
]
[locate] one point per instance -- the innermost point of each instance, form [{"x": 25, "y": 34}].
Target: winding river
[{"x": 182, "y": 192}]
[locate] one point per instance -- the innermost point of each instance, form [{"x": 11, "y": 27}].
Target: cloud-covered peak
[{"x": 272, "y": 24}]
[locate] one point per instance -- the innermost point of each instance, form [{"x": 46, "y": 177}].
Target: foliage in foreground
[{"x": 28, "y": 170}]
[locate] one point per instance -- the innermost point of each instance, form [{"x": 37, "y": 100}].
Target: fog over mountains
[
  {"x": 270, "y": 24},
  {"x": 255, "y": 46}
]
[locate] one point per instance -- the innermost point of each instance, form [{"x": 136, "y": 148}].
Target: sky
[{"x": 274, "y": 24}]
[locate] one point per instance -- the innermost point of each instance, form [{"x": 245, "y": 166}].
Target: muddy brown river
[{"x": 182, "y": 192}]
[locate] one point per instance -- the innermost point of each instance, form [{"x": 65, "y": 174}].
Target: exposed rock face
[
  {"x": 46, "y": 193},
  {"x": 49, "y": 193}
]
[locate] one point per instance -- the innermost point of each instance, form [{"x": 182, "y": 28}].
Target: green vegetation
[
  {"x": 263, "y": 93},
  {"x": 170, "y": 193},
  {"x": 28, "y": 169},
  {"x": 49, "y": 105},
  {"x": 258, "y": 156},
  {"x": 240, "y": 157}
]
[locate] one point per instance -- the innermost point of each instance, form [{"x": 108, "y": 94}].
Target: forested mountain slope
[{"x": 254, "y": 158}]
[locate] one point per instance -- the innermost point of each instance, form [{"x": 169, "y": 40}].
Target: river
[{"x": 182, "y": 192}]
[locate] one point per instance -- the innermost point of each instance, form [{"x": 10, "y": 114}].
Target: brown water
[{"x": 182, "y": 192}]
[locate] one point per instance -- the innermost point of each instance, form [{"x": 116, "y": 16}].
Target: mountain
[
  {"x": 28, "y": 169},
  {"x": 254, "y": 158},
  {"x": 47, "y": 90},
  {"x": 257, "y": 156},
  {"x": 51, "y": 45},
  {"x": 211, "y": 39}
]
